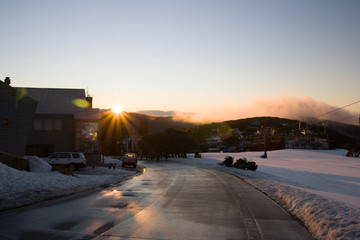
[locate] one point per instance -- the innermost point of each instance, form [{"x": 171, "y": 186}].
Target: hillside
[
  {"x": 235, "y": 134},
  {"x": 337, "y": 134},
  {"x": 158, "y": 124}
]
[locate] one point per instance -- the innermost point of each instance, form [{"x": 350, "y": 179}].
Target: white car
[{"x": 72, "y": 160}]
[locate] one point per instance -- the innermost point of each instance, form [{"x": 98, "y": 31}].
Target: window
[
  {"x": 76, "y": 155},
  {"x": 65, "y": 155},
  {"x": 47, "y": 124},
  {"x": 57, "y": 124},
  {"x": 5, "y": 122},
  {"x": 55, "y": 155},
  {"x": 38, "y": 124}
]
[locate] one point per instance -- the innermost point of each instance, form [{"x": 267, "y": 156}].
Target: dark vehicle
[{"x": 129, "y": 159}]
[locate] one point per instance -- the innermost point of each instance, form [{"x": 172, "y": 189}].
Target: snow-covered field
[
  {"x": 19, "y": 188},
  {"x": 321, "y": 188}
]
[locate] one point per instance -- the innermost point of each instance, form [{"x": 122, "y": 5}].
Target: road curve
[{"x": 170, "y": 201}]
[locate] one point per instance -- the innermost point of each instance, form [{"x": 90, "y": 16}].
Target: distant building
[
  {"x": 64, "y": 121},
  {"x": 17, "y": 112},
  {"x": 213, "y": 141},
  {"x": 303, "y": 140}
]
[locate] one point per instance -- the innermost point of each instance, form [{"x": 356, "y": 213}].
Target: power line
[
  {"x": 338, "y": 109},
  {"x": 348, "y": 117}
]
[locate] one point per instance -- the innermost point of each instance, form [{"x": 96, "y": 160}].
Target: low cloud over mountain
[
  {"x": 158, "y": 113},
  {"x": 289, "y": 107},
  {"x": 304, "y": 108}
]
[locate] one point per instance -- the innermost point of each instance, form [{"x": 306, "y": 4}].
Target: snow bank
[
  {"x": 19, "y": 188},
  {"x": 37, "y": 164},
  {"x": 321, "y": 188},
  {"x": 108, "y": 160}
]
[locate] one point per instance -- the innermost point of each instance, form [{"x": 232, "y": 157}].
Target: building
[
  {"x": 64, "y": 121},
  {"x": 17, "y": 111}
]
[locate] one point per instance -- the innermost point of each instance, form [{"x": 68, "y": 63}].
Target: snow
[
  {"x": 36, "y": 164},
  {"x": 19, "y": 188},
  {"x": 321, "y": 188}
]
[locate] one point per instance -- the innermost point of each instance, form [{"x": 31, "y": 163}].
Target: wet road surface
[{"x": 170, "y": 201}]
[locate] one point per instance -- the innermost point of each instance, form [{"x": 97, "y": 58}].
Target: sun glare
[{"x": 117, "y": 109}]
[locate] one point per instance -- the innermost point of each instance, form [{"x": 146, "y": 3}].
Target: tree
[{"x": 172, "y": 141}]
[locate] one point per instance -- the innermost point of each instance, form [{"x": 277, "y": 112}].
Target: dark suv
[{"x": 129, "y": 159}]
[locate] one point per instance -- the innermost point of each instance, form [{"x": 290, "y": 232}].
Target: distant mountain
[
  {"x": 346, "y": 129},
  {"x": 341, "y": 131},
  {"x": 143, "y": 123},
  {"x": 337, "y": 133},
  {"x": 130, "y": 124}
]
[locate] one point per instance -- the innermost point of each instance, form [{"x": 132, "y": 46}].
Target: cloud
[
  {"x": 303, "y": 109},
  {"x": 157, "y": 113},
  {"x": 284, "y": 107}
]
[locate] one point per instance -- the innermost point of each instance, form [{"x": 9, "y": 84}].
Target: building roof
[
  {"x": 61, "y": 101},
  {"x": 10, "y": 91}
]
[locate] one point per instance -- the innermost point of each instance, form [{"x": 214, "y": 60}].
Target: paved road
[{"x": 170, "y": 201}]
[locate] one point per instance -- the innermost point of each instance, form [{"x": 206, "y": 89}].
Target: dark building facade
[
  {"x": 50, "y": 133},
  {"x": 64, "y": 121},
  {"x": 17, "y": 112}
]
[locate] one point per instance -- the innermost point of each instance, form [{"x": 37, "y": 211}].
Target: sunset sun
[{"x": 117, "y": 109}]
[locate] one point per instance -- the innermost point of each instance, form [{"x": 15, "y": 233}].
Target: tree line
[{"x": 170, "y": 143}]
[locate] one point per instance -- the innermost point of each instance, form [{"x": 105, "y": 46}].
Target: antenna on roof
[
  {"x": 88, "y": 92},
  {"x": 89, "y": 97}
]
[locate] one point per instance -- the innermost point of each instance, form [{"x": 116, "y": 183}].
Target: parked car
[
  {"x": 71, "y": 160},
  {"x": 129, "y": 159}
]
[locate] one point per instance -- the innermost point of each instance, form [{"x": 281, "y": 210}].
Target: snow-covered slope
[{"x": 322, "y": 188}]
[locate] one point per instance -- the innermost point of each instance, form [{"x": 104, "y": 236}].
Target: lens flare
[
  {"x": 81, "y": 103},
  {"x": 117, "y": 109}
]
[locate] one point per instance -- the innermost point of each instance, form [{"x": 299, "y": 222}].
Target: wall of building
[
  {"x": 51, "y": 133},
  {"x": 16, "y": 119}
]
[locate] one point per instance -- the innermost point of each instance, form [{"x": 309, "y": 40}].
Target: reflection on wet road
[{"x": 170, "y": 201}]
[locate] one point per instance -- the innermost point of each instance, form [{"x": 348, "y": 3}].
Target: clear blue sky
[{"x": 188, "y": 56}]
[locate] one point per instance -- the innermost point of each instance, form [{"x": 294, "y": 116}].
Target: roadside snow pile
[
  {"x": 324, "y": 217},
  {"x": 36, "y": 164},
  {"x": 321, "y": 188},
  {"x": 19, "y": 188},
  {"x": 108, "y": 160}
]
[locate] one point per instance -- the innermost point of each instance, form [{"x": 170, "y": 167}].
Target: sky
[{"x": 216, "y": 60}]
